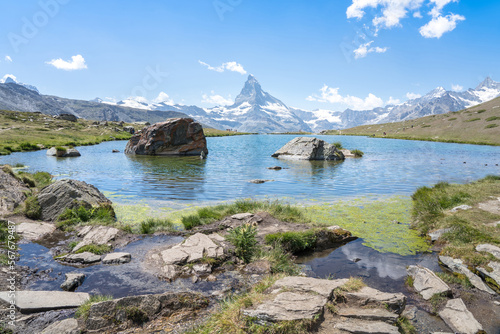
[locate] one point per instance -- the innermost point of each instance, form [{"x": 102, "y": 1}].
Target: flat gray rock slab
[
  {"x": 97, "y": 235},
  {"x": 83, "y": 258},
  {"x": 495, "y": 274},
  {"x": 493, "y": 250},
  {"x": 242, "y": 216},
  {"x": 426, "y": 282},
  {"x": 35, "y": 231},
  {"x": 197, "y": 246},
  {"x": 40, "y": 301},
  {"x": 117, "y": 258},
  {"x": 174, "y": 256},
  {"x": 369, "y": 296},
  {"x": 366, "y": 327},
  {"x": 372, "y": 314},
  {"x": 457, "y": 266},
  {"x": 322, "y": 287},
  {"x": 458, "y": 317},
  {"x": 288, "y": 306},
  {"x": 66, "y": 326}
]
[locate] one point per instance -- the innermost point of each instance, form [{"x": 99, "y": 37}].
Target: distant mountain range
[{"x": 254, "y": 110}]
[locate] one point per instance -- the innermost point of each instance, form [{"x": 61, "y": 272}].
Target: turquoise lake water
[{"x": 389, "y": 167}]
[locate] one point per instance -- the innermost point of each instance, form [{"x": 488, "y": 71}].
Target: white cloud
[
  {"x": 365, "y": 49},
  {"x": 412, "y": 96},
  {"x": 440, "y": 25},
  {"x": 230, "y": 66},
  {"x": 8, "y": 59},
  {"x": 393, "y": 101},
  {"x": 163, "y": 98},
  {"x": 391, "y": 12},
  {"x": 216, "y": 99},
  {"x": 331, "y": 95},
  {"x": 457, "y": 88},
  {"x": 77, "y": 63}
]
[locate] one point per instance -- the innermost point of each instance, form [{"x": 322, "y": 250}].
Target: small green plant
[
  {"x": 32, "y": 208},
  {"x": 473, "y": 119},
  {"x": 455, "y": 278},
  {"x": 95, "y": 249},
  {"x": 490, "y": 126},
  {"x": 293, "y": 241},
  {"x": 353, "y": 284},
  {"x": 42, "y": 179},
  {"x": 83, "y": 310},
  {"x": 492, "y": 118},
  {"x": 405, "y": 326},
  {"x": 480, "y": 111},
  {"x": 357, "y": 153},
  {"x": 281, "y": 261},
  {"x": 28, "y": 147},
  {"x": 152, "y": 225},
  {"x": 338, "y": 145},
  {"x": 19, "y": 165},
  {"x": 425, "y": 126},
  {"x": 436, "y": 301},
  {"x": 409, "y": 281},
  {"x": 191, "y": 221},
  {"x": 80, "y": 213},
  {"x": 61, "y": 149},
  {"x": 452, "y": 119},
  {"x": 244, "y": 239},
  {"x": 73, "y": 244}
]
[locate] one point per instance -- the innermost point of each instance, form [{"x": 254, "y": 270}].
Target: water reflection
[{"x": 384, "y": 271}]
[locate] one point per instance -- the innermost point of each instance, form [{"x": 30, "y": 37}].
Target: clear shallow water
[{"x": 389, "y": 167}]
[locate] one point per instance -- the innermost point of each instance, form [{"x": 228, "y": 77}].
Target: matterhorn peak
[{"x": 10, "y": 78}]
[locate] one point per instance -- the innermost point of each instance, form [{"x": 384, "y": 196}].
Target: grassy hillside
[
  {"x": 475, "y": 125},
  {"x": 211, "y": 132}
]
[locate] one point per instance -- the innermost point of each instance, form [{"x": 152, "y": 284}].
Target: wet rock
[
  {"x": 259, "y": 267},
  {"x": 308, "y": 148},
  {"x": 202, "y": 268},
  {"x": 12, "y": 192},
  {"x": 461, "y": 208},
  {"x": 493, "y": 250},
  {"x": 260, "y": 181},
  {"x": 67, "y": 153},
  {"x": 348, "y": 153},
  {"x": 365, "y": 327},
  {"x": 242, "y": 216},
  {"x": 369, "y": 297},
  {"x": 63, "y": 194},
  {"x": 456, "y": 315},
  {"x": 426, "y": 282},
  {"x": 457, "y": 266},
  {"x": 288, "y": 306},
  {"x": 117, "y": 258},
  {"x": 35, "y": 231},
  {"x": 169, "y": 272},
  {"x": 123, "y": 313},
  {"x": 66, "y": 326},
  {"x": 321, "y": 287},
  {"x": 435, "y": 235},
  {"x": 97, "y": 235},
  {"x": 81, "y": 258},
  {"x": 115, "y": 151},
  {"x": 73, "y": 281},
  {"x": 211, "y": 278},
  {"x": 275, "y": 168},
  {"x": 176, "y": 136},
  {"x": 39, "y": 301}
]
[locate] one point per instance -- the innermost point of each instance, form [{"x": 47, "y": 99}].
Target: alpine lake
[{"x": 369, "y": 196}]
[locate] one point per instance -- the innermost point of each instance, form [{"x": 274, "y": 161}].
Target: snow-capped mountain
[{"x": 9, "y": 78}]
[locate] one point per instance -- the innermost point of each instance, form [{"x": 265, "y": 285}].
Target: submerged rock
[
  {"x": 81, "y": 258},
  {"x": 176, "y": 136},
  {"x": 67, "y": 194},
  {"x": 308, "y": 148}
]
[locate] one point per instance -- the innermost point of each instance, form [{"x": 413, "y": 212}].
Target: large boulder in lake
[
  {"x": 308, "y": 148},
  {"x": 176, "y": 136},
  {"x": 62, "y": 194}
]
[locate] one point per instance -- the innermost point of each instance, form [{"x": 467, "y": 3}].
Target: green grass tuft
[
  {"x": 152, "y": 225},
  {"x": 357, "y": 153},
  {"x": 83, "y": 310},
  {"x": 95, "y": 249},
  {"x": 244, "y": 239},
  {"x": 32, "y": 208},
  {"x": 293, "y": 241}
]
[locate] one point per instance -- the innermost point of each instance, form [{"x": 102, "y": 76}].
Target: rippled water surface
[{"x": 389, "y": 167}]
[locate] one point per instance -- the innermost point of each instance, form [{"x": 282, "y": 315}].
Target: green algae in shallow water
[{"x": 375, "y": 221}]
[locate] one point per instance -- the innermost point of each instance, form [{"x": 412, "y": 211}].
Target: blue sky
[{"x": 310, "y": 54}]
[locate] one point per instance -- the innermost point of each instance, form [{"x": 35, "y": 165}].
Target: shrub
[
  {"x": 452, "y": 119},
  {"x": 480, "y": 111},
  {"x": 243, "y": 238},
  {"x": 294, "y": 242},
  {"x": 103, "y": 215},
  {"x": 473, "y": 119},
  {"x": 136, "y": 315},
  {"x": 490, "y": 126},
  {"x": 42, "y": 179},
  {"x": 492, "y": 118},
  {"x": 61, "y": 149},
  {"x": 28, "y": 147},
  {"x": 83, "y": 310},
  {"x": 357, "y": 153},
  {"x": 338, "y": 145},
  {"x": 32, "y": 208}
]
